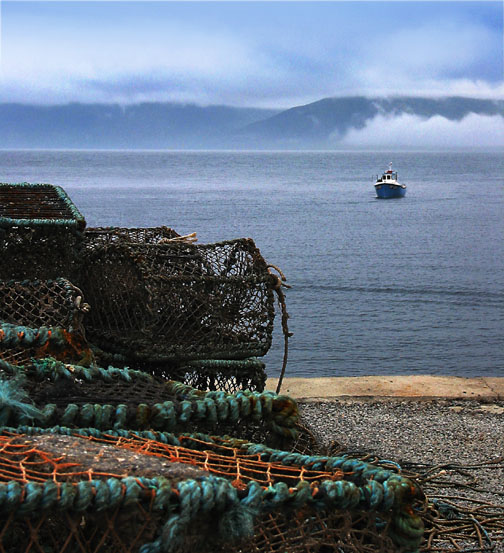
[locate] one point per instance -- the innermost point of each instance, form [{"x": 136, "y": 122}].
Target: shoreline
[
  {"x": 447, "y": 433},
  {"x": 486, "y": 389}
]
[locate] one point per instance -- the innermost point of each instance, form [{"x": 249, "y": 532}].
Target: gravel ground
[{"x": 455, "y": 446}]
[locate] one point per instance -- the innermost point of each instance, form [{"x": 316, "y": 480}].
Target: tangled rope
[
  {"x": 466, "y": 519},
  {"x": 279, "y": 282}
]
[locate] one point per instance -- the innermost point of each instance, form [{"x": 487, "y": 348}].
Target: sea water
[{"x": 404, "y": 286}]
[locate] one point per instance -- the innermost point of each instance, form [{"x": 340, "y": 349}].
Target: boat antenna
[{"x": 390, "y": 166}]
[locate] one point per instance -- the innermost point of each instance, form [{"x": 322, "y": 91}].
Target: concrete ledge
[{"x": 417, "y": 386}]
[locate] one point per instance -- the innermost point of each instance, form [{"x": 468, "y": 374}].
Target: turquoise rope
[
  {"x": 277, "y": 412},
  {"x": 12, "y": 336},
  {"x": 77, "y": 219},
  {"x": 391, "y": 493}
]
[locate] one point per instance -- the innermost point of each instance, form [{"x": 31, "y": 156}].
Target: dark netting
[
  {"x": 39, "y": 204},
  {"x": 42, "y": 303},
  {"x": 110, "y": 235},
  {"x": 177, "y": 301},
  {"x": 229, "y": 375},
  {"x": 41, "y": 318},
  {"x": 40, "y": 232},
  {"x": 314, "y": 531},
  {"x": 33, "y": 308},
  {"x": 39, "y": 252}
]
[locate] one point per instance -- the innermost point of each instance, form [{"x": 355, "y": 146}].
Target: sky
[{"x": 247, "y": 54}]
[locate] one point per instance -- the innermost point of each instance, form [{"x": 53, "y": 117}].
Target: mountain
[
  {"x": 331, "y": 118},
  {"x": 147, "y": 125},
  {"x": 177, "y": 126}
]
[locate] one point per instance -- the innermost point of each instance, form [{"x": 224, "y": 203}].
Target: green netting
[
  {"x": 42, "y": 318},
  {"x": 229, "y": 375},
  {"x": 33, "y": 205},
  {"x": 96, "y": 236}
]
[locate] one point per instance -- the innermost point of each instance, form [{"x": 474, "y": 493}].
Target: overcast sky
[{"x": 264, "y": 54}]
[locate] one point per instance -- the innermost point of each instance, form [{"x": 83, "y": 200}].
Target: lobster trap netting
[
  {"x": 40, "y": 232},
  {"x": 42, "y": 318},
  {"x": 45, "y": 318},
  {"x": 186, "y": 342},
  {"x": 52, "y": 393},
  {"x": 42, "y": 303},
  {"x": 160, "y": 492},
  {"x": 179, "y": 302},
  {"x": 103, "y": 236},
  {"x": 228, "y": 375}
]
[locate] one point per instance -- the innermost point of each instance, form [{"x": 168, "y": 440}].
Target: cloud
[
  {"x": 436, "y": 50},
  {"x": 409, "y": 131},
  {"x": 263, "y": 54}
]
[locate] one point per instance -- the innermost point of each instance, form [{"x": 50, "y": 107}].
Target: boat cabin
[{"x": 388, "y": 176}]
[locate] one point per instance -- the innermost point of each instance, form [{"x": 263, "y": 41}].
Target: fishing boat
[{"x": 387, "y": 185}]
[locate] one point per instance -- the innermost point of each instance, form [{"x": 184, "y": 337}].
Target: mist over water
[{"x": 414, "y": 285}]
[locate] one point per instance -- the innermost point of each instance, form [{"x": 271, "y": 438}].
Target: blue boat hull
[{"x": 385, "y": 191}]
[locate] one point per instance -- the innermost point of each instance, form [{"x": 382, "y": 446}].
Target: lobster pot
[
  {"x": 41, "y": 317},
  {"x": 119, "y": 491},
  {"x": 40, "y": 232},
  {"x": 178, "y": 302},
  {"x": 220, "y": 374},
  {"x": 227, "y": 375},
  {"x": 74, "y": 397}
]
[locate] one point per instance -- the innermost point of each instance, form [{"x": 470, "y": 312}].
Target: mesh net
[
  {"x": 178, "y": 301},
  {"x": 39, "y": 253},
  {"x": 54, "y": 309},
  {"x": 228, "y": 375},
  {"x": 42, "y": 318},
  {"x": 102, "y": 236},
  {"x": 37, "y": 204},
  {"x": 42, "y": 303},
  {"x": 40, "y": 232},
  {"x": 201, "y": 484}
]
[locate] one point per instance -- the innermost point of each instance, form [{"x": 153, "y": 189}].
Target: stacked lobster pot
[
  {"x": 111, "y": 459},
  {"x": 41, "y": 310},
  {"x": 201, "y": 314}
]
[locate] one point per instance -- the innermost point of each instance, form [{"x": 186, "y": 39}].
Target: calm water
[{"x": 414, "y": 285}]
